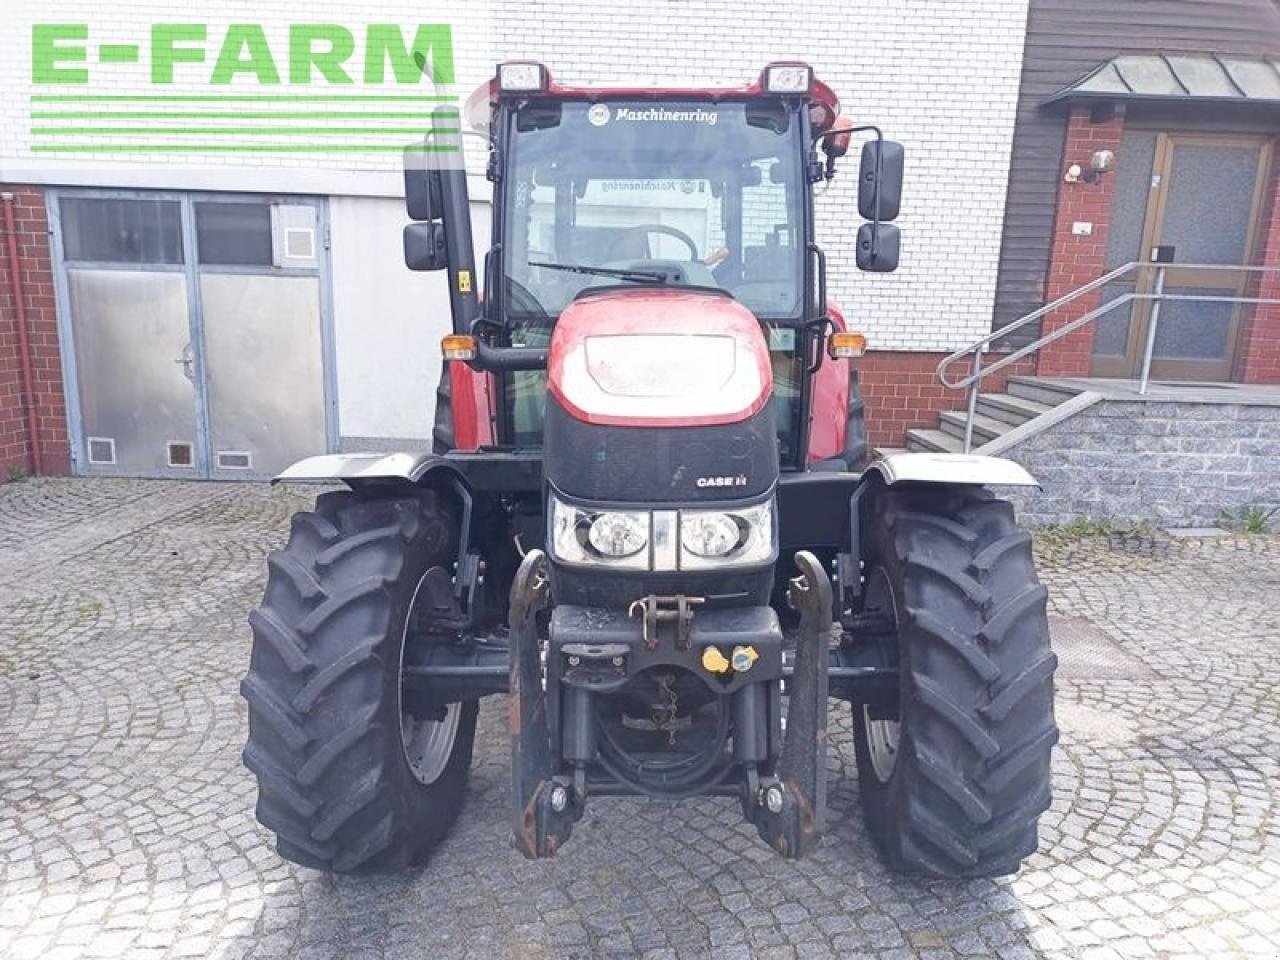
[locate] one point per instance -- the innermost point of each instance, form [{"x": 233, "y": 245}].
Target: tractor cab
[{"x": 627, "y": 189}]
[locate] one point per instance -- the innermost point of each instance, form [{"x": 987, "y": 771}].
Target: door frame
[
  {"x": 1130, "y": 363},
  {"x": 191, "y": 268}
]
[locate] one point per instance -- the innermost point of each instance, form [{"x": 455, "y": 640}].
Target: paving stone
[{"x": 127, "y": 828}]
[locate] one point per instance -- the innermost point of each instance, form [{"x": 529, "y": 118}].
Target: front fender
[
  {"x": 953, "y": 468},
  {"x": 349, "y": 467}
]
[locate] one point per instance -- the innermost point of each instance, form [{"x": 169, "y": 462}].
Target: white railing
[{"x": 973, "y": 380}]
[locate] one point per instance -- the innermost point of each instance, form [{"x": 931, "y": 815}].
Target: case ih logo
[
  {"x": 739, "y": 481},
  {"x": 376, "y": 88}
]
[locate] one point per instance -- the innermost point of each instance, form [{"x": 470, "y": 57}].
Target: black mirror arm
[{"x": 830, "y": 171}]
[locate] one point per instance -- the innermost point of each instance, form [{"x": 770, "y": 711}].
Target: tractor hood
[
  {"x": 659, "y": 395},
  {"x": 659, "y": 358}
]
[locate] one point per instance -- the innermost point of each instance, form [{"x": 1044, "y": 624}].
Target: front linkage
[
  {"x": 791, "y": 808},
  {"x": 787, "y": 804},
  {"x": 544, "y": 806}
]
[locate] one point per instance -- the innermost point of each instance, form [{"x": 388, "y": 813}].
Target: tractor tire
[
  {"x": 326, "y": 730},
  {"x": 955, "y": 786}
]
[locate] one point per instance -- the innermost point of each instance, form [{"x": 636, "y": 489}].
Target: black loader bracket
[
  {"x": 791, "y": 808},
  {"x": 544, "y": 807}
]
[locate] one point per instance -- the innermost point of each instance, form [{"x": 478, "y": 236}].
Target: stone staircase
[{"x": 1024, "y": 399}]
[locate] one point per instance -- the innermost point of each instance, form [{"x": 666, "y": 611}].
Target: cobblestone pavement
[{"x": 126, "y": 825}]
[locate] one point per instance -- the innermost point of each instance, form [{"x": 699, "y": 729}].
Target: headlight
[
  {"x": 644, "y": 540},
  {"x": 618, "y": 534},
  {"x": 614, "y": 538},
  {"x": 724, "y": 538},
  {"x": 709, "y": 534}
]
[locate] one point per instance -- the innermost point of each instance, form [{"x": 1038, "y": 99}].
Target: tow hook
[{"x": 654, "y": 609}]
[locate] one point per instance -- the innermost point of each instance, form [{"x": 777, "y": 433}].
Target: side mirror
[
  {"x": 424, "y": 247},
  {"x": 881, "y": 164},
  {"x": 878, "y": 247},
  {"x": 422, "y": 194}
]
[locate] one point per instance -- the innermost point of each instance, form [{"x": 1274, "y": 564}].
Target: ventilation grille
[
  {"x": 299, "y": 243},
  {"x": 102, "y": 450},
  {"x": 181, "y": 455},
  {"x": 234, "y": 460}
]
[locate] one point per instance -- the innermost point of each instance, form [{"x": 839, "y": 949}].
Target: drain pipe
[{"x": 24, "y": 343}]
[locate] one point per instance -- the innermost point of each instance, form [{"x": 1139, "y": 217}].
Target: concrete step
[
  {"x": 933, "y": 440},
  {"x": 890, "y": 451},
  {"x": 1014, "y": 411},
  {"x": 984, "y": 428},
  {"x": 1040, "y": 390}
]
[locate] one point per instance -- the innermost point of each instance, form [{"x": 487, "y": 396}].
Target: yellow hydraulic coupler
[
  {"x": 744, "y": 658},
  {"x": 713, "y": 661}
]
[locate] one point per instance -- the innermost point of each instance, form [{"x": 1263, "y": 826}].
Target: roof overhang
[{"x": 1178, "y": 78}]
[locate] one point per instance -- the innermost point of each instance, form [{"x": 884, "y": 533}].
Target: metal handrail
[{"x": 978, "y": 372}]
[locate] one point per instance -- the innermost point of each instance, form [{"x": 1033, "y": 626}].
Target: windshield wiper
[{"x": 636, "y": 276}]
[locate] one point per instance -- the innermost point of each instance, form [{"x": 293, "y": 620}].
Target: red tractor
[{"x": 651, "y": 519}]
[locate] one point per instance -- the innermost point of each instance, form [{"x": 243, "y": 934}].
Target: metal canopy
[{"x": 1179, "y": 78}]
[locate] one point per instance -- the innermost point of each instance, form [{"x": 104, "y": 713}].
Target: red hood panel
[{"x": 659, "y": 358}]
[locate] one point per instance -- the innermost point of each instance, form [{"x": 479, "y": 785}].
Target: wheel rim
[
  {"x": 882, "y": 736},
  {"x": 882, "y": 744},
  {"x": 427, "y": 744}
]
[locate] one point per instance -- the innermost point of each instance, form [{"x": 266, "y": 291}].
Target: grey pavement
[{"x": 127, "y": 829}]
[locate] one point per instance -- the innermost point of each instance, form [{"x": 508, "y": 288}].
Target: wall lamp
[{"x": 1101, "y": 162}]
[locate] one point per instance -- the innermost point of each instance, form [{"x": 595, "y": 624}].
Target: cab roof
[{"x": 824, "y": 105}]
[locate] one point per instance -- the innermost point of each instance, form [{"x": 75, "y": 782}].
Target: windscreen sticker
[{"x": 600, "y": 114}]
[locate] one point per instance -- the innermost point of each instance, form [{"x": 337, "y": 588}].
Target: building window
[
  {"x": 234, "y": 234},
  {"x": 98, "y": 230}
]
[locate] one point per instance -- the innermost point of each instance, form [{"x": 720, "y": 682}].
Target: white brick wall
[{"x": 939, "y": 75}]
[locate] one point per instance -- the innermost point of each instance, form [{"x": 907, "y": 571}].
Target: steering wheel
[{"x": 648, "y": 228}]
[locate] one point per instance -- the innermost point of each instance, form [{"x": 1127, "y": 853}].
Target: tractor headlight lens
[
  {"x": 721, "y": 538},
  {"x": 709, "y": 534},
  {"x": 615, "y": 538},
  {"x": 618, "y": 534}
]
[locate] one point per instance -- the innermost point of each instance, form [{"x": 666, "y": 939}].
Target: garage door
[{"x": 198, "y": 332}]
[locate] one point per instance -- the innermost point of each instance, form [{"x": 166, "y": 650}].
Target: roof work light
[
  {"x": 521, "y": 77},
  {"x": 788, "y": 77}
]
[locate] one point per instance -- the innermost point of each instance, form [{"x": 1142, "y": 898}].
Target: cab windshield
[
  {"x": 692, "y": 193},
  {"x": 637, "y": 193}
]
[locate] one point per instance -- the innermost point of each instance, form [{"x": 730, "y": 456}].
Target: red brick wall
[
  {"x": 35, "y": 266},
  {"x": 1076, "y": 260},
  {"x": 902, "y": 392},
  {"x": 1260, "y": 360}
]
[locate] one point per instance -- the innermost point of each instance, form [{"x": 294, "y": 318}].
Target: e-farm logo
[{"x": 305, "y": 88}]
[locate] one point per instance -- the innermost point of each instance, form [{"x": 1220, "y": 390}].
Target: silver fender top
[
  {"x": 358, "y": 466},
  {"x": 960, "y": 468}
]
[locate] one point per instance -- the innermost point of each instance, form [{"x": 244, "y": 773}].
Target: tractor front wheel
[
  {"x": 954, "y": 783},
  {"x": 353, "y": 777}
]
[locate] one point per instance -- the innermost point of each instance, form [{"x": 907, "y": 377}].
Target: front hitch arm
[
  {"x": 791, "y": 807},
  {"x": 544, "y": 807}
]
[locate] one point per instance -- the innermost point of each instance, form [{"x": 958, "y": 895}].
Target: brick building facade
[{"x": 45, "y": 392}]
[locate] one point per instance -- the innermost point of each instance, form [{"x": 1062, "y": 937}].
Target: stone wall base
[{"x": 1169, "y": 464}]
